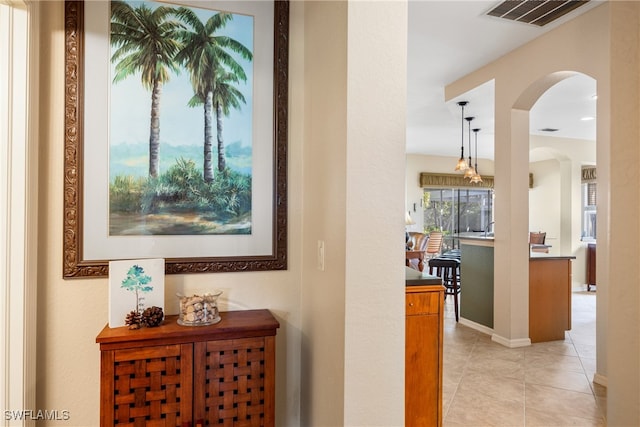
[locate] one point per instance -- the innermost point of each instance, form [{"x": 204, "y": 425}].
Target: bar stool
[{"x": 447, "y": 270}]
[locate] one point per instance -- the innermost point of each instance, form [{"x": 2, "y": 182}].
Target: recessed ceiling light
[{"x": 588, "y": 118}]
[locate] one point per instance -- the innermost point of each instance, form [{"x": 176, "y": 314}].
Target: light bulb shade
[
  {"x": 475, "y": 179},
  {"x": 470, "y": 172},
  {"x": 408, "y": 220},
  {"x": 462, "y": 165}
]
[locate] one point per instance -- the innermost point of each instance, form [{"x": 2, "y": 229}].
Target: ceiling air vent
[{"x": 535, "y": 12}]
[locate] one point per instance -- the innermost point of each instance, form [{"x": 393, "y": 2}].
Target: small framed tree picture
[{"x": 134, "y": 285}]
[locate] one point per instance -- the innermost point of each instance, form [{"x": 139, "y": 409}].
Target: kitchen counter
[
  {"x": 476, "y": 239},
  {"x": 416, "y": 278},
  {"x": 476, "y": 235}
]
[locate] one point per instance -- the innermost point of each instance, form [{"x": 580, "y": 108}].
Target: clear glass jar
[{"x": 199, "y": 309}]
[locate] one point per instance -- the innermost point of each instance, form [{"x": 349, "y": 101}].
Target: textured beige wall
[
  {"x": 72, "y": 312},
  {"x": 366, "y": 301},
  {"x": 353, "y": 311},
  {"x": 623, "y": 296},
  {"x": 376, "y": 127},
  {"x": 324, "y": 203}
]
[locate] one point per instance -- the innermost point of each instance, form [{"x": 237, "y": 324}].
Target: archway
[{"x": 560, "y": 195}]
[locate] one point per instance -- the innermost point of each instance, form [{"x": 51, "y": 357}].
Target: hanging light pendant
[
  {"x": 476, "y": 178},
  {"x": 470, "y": 172},
  {"x": 462, "y": 163}
]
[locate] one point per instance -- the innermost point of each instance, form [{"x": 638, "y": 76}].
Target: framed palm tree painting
[{"x": 176, "y": 135}]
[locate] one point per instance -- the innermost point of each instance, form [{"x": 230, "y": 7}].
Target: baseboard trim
[
  {"x": 520, "y": 342},
  {"x": 600, "y": 379},
  {"x": 477, "y": 326}
]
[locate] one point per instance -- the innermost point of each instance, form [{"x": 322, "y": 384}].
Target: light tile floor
[{"x": 543, "y": 385}]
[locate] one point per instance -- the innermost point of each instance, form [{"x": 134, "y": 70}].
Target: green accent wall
[{"x": 476, "y": 284}]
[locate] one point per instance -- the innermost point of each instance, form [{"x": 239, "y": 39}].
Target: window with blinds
[
  {"x": 589, "y": 201},
  {"x": 457, "y": 210}
]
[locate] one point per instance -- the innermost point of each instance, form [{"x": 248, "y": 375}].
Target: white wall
[{"x": 544, "y": 202}]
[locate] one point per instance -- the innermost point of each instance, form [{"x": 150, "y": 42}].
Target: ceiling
[{"x": 449, "y": 39}]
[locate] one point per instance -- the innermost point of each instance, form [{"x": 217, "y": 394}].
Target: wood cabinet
[
  {"x": 423, "y": 355},
  {"x": 591, "y": 265},
  {"x": 549, "y": 298},
  {"x": 172, "y": 375}
]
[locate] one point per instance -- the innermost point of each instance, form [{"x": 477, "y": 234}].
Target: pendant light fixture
[
  {"x": 462, "y": 163},
  {"x": 470, "y": 172},
  {"x": 476, "y": 178}
]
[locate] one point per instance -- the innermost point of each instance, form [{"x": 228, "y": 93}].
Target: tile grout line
[
  {"x": 476, "y": 342},
  {"x": 464, "y": 369},
  {"x": 584, "y": 371}
]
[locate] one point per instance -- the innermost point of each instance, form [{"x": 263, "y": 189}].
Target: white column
[
  {"x": 18, "y": 209},
  {"x": 511, "y": 269},
  {"x": 375, "y": 165}
]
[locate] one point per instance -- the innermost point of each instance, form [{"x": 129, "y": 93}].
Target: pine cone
[
  {"x": 152, "y": 316},
  {"x": 133, "y": 320}
]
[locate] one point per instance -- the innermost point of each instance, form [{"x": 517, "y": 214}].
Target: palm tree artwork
[
  {"x": 144, "y": 44},
  {"x": 185, "y": 57},
  {"x": 225, "y": 95},
  {"x": 204, "y": 54}
]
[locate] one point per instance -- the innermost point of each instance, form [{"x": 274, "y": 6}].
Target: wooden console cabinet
[
  {"x": 173, "y": 375},
  {"x": 591, "y": 265},
  {"x": 549, "y": 297},
  {"x": 423, "y": 354}
]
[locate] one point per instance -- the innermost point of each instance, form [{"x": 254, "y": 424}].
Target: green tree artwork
[{"x": 137, "y": 281}]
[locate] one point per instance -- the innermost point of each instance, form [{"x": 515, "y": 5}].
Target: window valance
[
  {"x": 588, "y": 174},
  {"x": 451, "y": 180}
]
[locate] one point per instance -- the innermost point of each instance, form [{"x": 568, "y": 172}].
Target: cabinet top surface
[
  {"x": 233, "y": 322},
  {"x": 417, "y": 278},
  {"x": 543, "y": 256}
]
